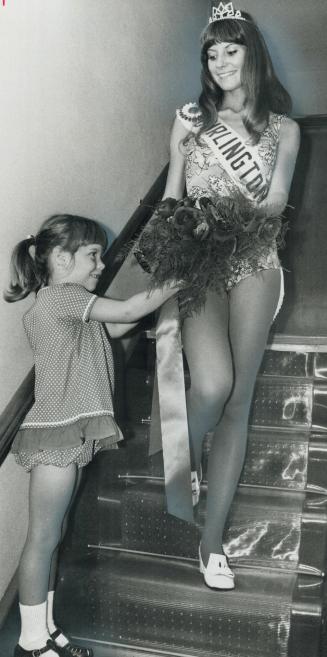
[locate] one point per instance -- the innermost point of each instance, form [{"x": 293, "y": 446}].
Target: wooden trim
[
  {"x": 14, "y": 413},
  {"x": 314, "y": 121},
  {"x": 8, "y": 598},
  {"x": 22, "y": 400}
]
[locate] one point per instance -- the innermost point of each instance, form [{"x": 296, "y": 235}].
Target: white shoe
[
  {"x": 217, "y": 574},
  {"x": 195, "y": 483}
]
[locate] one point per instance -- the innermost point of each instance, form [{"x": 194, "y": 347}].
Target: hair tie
[{"x": 31, "y": 238}]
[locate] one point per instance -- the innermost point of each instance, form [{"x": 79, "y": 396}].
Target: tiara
[{"x": 222, "y": 12}]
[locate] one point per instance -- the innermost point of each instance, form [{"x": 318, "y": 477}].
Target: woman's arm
[
  {"x": 132, "y": 309},
  {"x": 289, "y": 142},
  {"x": 176, "y": 174}
]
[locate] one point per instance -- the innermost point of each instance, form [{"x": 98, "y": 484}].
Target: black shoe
[
  {"x": 37, "y": 652},
  {"x": 70, "y": 649}
]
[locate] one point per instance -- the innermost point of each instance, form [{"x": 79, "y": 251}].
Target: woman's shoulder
[
  {"x": 283, "y": 130},
  {"x": 190, "y": 116},
  {"x": 289, "y": 130},
  {"x": 288, "y": 126}
]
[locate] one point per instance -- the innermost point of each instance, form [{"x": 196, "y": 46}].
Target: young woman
[{"x": 238, "y": 139}]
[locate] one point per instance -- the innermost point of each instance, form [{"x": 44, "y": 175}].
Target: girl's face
[
  {"x": 85, "y": 266},
  {"x": 225, "y": 64}
]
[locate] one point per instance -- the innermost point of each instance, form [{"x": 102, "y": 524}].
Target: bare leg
[
  {"x": 252, "y": 306},
  {"x": 51, "y": 490},
  {"x": 207, "y": 349},
  {"x": 55, "y": 556}
]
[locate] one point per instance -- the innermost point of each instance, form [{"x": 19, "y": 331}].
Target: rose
[
  {"x": 186, "y": 202},
  {"x": 201, "y": 231},
  {"x": 186, "y": 220},
  {"x": 166, "y": 207},
  {"x": 204, "y": 202}
]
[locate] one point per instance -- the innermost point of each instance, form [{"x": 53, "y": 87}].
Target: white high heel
[
  {"x": 196, "y": 486},
  {"x": 217, "y": 574}
]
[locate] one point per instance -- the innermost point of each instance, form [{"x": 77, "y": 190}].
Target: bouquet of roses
[{"x": 194, "y": 241}]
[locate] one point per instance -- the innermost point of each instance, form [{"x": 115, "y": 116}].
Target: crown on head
[{"x": 222, "y": 12}]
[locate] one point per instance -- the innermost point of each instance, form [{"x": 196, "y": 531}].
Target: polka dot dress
[{"x": 74, "y": 376}]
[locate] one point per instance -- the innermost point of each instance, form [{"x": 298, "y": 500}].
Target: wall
[{"x": 88, "y": 92}]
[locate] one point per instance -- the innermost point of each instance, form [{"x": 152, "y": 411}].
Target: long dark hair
[
  {"x": 29, "y": 273},
  {"x": 263, "y": 91}
]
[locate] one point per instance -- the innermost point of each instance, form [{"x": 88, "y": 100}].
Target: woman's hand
[{"x": 275, "y": 206}]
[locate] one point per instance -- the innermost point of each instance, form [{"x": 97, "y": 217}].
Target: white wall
[{"x": 88, "y": 92}]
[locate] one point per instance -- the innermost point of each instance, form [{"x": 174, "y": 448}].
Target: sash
[
  {"x": 239, "y": 159},
  {"x": 169, "y": 426}
]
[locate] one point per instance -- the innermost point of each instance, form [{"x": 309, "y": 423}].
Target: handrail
[{"x": 22, "y": 400}]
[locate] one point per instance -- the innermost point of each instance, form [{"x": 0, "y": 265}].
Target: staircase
[{"x": 129, "y": 580}]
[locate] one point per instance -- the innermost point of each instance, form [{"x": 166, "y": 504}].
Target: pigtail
[{"x": 23, "y": 272}]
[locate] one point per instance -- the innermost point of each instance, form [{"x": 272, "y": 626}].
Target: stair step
[
  {"x": 302, "y": 361},
  {"x": 275, "y": 458},
  {"x": 160, "y": 604},
  {"x": 287, "y": 363},
  {"x": 276, "y": 529}
]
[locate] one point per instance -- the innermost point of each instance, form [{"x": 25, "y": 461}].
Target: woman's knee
[
  {"x": 238, "y": 406},
  {"x": 211, "y": 394}
]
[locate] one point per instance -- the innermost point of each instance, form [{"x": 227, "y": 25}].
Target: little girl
[{"x": 72, "y": 417}]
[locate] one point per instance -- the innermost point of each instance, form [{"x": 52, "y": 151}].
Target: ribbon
[
  {"x": 169, "y": 404},
  {"x": 242, "y": 161}
]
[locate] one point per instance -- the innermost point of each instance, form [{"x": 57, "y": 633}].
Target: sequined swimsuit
[{"x": 206, "y": 176}]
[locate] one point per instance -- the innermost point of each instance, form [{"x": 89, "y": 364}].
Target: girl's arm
[
  {"x": 176, "y": 173},
  {"x": 132, "y": 309},
  {"x": 289, "y": 142}
]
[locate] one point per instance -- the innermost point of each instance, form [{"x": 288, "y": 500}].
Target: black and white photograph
[{"x": 163, "y": 353}]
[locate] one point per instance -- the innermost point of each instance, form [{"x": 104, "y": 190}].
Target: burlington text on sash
[{"x": 239, "y": 159}]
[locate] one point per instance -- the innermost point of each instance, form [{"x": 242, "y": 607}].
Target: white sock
[
  {"x": 34, "y": 633},
  {"x": 61, "y": 640}
]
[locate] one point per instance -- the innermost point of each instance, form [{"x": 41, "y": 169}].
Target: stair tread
[
  {"x": 133, "y": 599},
  {"x": 274, "y": 458},
  {"x": 282, "y": 530}
]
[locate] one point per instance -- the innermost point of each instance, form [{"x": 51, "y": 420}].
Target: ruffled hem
[
  {"x": 80, "y": 456},
  {"x": 74, "y": 435}
]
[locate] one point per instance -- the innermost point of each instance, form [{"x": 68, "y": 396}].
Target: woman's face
[{"x": 225, "y": 63}]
